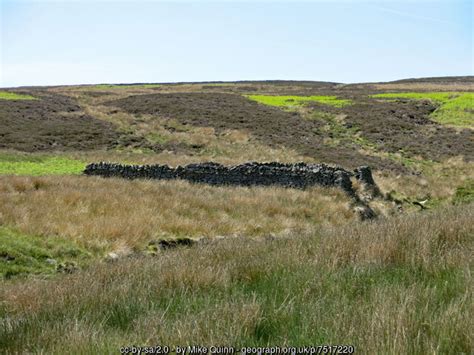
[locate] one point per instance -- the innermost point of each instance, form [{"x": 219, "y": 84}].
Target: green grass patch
[
  {"x": 338, "y": 131},
  {"x": 456, "y": 108},
  {"x": 156, "y": 138},
  {"x": 465, "y": 193},
  {"x": 322, "y": 116},
  {"x": 291, "y": 102},
  {"x": 36, "y": 165},
  {"x": 5, "y": 95},
  {"x": 26, "y": 254},
  {"x": 402, "y": 157}
]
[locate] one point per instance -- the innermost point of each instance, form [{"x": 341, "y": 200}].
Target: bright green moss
[
  {"x": 5, "y": 95},
  {"x": 290, "y": 102},
  {"x": 13, "y": 164},
  {"x": 456, "y": 108}
]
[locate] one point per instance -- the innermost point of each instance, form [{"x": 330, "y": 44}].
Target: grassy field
[
  {"x": 456, "y": 108},
  {"x": 35, "y": 165},
  {"x": 5, "y": 95},
  {"x": 289, "y": 102},
  {"x": 395, "y": 286},
  {"x": 123, "y": 216}
]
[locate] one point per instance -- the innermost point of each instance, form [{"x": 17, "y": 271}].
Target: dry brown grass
[
  {"x": 182, "y": 144},
  {"x": 131, "y": 213},
  {"x": 438, "y": 180},
  {"x": 230, "y": 148},
  {"x": 400, "y": 285},
  {"x": 425, "y": 86}
]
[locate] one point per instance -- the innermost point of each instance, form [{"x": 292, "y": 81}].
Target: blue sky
[{"x": 80, "y": 42}]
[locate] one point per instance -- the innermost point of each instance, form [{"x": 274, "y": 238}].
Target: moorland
[{"x": 81, "y": 262}]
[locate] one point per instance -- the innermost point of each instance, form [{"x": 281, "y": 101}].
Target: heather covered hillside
[{"x": 238, "y": 213}]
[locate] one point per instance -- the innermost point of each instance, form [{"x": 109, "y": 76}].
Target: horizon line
[{"x": 241, "y": 81}]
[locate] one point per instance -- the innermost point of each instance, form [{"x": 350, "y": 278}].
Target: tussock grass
[
  {"x": 395, "y": 286},
  {"x": 116, "y": 213},
  {"x": 290, "y": 102},
  {"x": 438, "y": 182},
  {"x": 456, "y": 108},
  {"x": 29, "y": 254},
  {"x": 5, "y": 95},
  {"x": 464, "y": 193},
  {"x": 38, "y": 164}
]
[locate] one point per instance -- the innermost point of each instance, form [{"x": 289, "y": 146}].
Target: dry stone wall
[{"x": 299, "y": 175}]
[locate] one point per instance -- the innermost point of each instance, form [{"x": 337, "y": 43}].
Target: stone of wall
[
  {"x": 370, "y": 190},
  {"x": 299, "y": 175}
]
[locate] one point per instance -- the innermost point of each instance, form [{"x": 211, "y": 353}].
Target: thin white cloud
[{"x": 411, "y": 15}]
